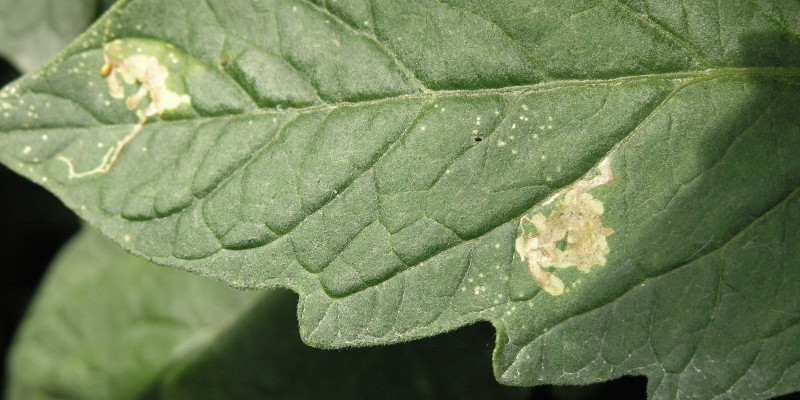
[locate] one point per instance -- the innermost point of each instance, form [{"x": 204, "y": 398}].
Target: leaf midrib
[{"x": 708, "y": 74}]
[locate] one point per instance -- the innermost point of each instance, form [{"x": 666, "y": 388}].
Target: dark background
[{"x": 33, "y": 225}]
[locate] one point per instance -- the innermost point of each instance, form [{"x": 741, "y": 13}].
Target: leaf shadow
[{"x": 731, "y": 165}]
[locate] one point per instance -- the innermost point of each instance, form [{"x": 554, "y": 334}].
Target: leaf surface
[
  {"x": 107, "y": 325},
  {"x": 394, "y": 161}
]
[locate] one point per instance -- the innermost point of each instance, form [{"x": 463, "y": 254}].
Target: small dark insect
[{"x": 224, "y": 62}]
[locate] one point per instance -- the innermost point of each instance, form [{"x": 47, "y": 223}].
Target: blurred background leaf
[
  {"x": 107, "y": 325},
  {"x": 31, "y": 32}
]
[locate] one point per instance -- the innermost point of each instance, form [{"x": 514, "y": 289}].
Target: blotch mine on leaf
[
  {"x": 151, "y": 65},
  {"x": 154, "y": 67},
  {"x": 573, "y": 235}
]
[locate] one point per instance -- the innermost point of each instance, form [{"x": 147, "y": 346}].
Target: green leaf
[
  {"x": 32, "y": 32},
  {"x": 106, "y": 325},
  {"x": 395, "y": 161}
]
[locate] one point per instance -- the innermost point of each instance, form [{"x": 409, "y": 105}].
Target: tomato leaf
[{"x": 410, "y": 167}]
